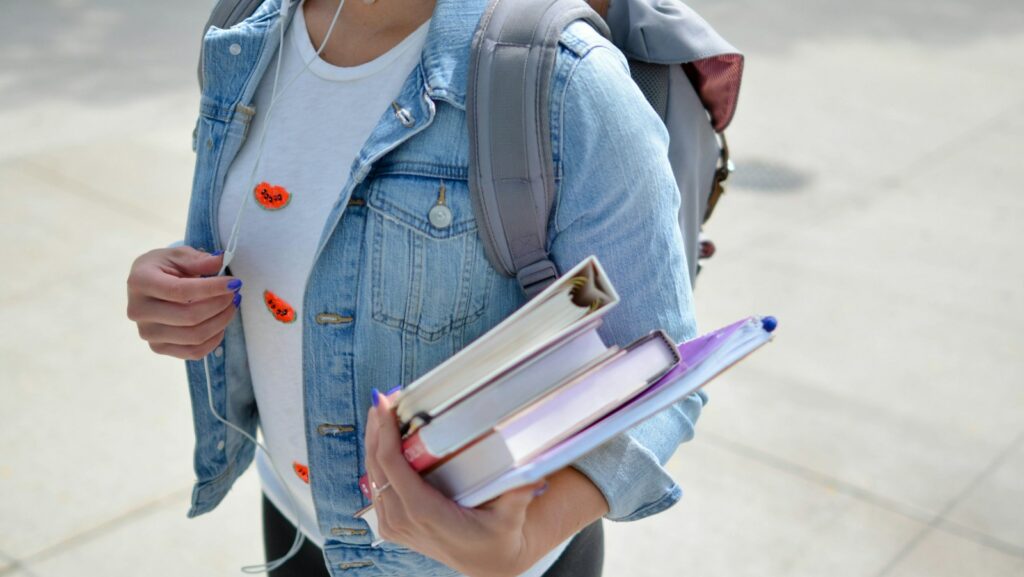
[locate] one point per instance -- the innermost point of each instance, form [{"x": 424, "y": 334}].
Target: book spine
[{"x": 417, "y": 454}]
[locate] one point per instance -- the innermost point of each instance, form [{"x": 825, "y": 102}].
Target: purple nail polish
[
  {"x": 540, "y": 490},
  {"x": 234, "y": 284},
  {"x": 393, "y": 389},
  {"x": 237, "y": 300},
  {"x": 375, "y": 397},
  {"x": 218, "y": 253}
]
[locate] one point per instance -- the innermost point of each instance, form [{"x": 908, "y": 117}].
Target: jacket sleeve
[{"x": 618, "y": 200}]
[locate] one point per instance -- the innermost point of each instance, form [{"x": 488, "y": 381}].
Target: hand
[
  {"x": 488, "y": 541},
  {"x": 177, "y": 312}
]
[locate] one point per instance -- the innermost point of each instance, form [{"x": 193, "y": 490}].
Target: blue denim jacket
[{"x": 390, "y": 295}]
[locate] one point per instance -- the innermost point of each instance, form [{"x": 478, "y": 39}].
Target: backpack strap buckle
[
  {"x": 536, "y": 277},
  {"x": 725, "y": 168}
]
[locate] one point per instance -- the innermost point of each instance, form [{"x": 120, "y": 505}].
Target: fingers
[
  {"x": 185, "y": 352},
  {"x": 171, "y": 275},
  {"x": 389, "y": 459},
  {"x": 370, "y": 443},
  {"x": 178, "y": 314},
  {"x": 191, "y": 262},
  {"x": 391, "y": 516},
  {"x": 151, "y": 310},
  {"x": 158, "y": 284},
  {"x": 189, "y": 335},
  {"x": 410, "y": 500}
]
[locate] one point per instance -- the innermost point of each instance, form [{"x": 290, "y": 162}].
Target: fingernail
[
  {"x": 237, "y": 300},
  {"x": 393, "y": 389},
  {"x": 540, "y": 490},
  {"x": 234, "y": 284},
  {"x": 375, "y": 397},
  {"x": 218, "y": 253}
]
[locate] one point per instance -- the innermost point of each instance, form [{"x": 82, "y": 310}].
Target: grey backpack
[{"x": 686, "y": 71}]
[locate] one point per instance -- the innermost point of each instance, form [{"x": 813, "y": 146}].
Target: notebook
[
  {"x": 571, "y": 406},
  {"x": 576, "y": 299},
  {"x": 523, "y": 456},
  {"x": 480, "y": 412},
  {"x": 701, "y": 360}
]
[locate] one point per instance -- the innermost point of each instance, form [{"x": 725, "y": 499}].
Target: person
[{"x": 347, "y": 286}]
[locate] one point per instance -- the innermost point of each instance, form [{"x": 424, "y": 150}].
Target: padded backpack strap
[
  {"x": 226, "y": 14},
  {"x": 511, "y": 173}
]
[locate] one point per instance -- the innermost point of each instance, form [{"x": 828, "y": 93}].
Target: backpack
[{"x": 681, "y": 65}]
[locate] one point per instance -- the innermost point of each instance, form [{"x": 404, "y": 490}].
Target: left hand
[{"x": 488, "y": 541}]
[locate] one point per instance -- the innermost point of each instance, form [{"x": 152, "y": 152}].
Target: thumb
[
  {"x": 513, "y": 503},
  {"x": 191, "y": 262}
]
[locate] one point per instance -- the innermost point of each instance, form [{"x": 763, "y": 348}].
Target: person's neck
[{"x": 364, "y": 31}]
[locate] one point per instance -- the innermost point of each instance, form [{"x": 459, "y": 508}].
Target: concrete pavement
[{"x": 876, "y": 212}]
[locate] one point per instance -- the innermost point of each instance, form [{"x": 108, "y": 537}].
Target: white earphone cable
[{"x": 229, "y": 252}]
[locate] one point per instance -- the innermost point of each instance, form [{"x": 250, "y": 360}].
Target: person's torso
[
  {"x": 390, "y": 292},
  {"x": 278, "y": 192}
]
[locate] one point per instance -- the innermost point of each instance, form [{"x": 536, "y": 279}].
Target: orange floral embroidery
[
  {"x": 277, "y": 306},
  {"x": 302, "y": 471},
  {"x": 271, "y": 197}
]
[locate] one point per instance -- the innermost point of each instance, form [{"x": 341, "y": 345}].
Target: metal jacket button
[
  {"x": 325, "y": 429},
  {"x": 440, "y": 216},
  {"x": 332, "y": 319},
  {"x": 404, "y": 116},
  {"x": 342, "y": 531},
  {"x": 355, "y": 565}
]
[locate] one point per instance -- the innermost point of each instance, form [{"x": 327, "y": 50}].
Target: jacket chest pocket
[{"x": 430, "y": 276}]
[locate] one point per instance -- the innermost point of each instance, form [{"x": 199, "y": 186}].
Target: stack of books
[{"x": 541, "y": 389}]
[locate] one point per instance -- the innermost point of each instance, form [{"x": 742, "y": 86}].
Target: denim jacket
[{"x": 390, "y": 295}]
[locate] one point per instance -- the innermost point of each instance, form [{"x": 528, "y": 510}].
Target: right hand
[{"x": 178, "y": 311}]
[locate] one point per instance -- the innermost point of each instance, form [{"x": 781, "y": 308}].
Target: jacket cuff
[{"x": 629, "y": 468}]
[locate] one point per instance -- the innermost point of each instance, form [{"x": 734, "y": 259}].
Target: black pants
[{"x": 583, "y": 557}]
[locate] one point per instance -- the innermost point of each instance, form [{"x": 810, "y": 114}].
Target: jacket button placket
[{"x": 333, "y": 437}]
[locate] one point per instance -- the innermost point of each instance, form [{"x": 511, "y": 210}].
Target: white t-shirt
[{"x": 318, "y": 126}]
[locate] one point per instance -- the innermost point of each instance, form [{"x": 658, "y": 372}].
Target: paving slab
[
  {"x": 873, "y": 395},
  {"x": 849, "y": 91},
  {"x": 52, "y": 233},
  {"x": 137, "y": 178},
  {"x": 877, "y": 197},
  {"x": 93, "y": 424},
  {"x": 873, "y": 371},
  {"x": 740, "y": 517},
  {"x": 87, "y": 71},
  {"x": 166, "y": 543},
  {"x": 922, "y": 234},
  {"x": 49, "y": 123},
  {"x": 996, "y": 506},
  {"x": 940, "y": 554}
]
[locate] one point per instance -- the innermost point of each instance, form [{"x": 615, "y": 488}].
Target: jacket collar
[
  {"x": 444, "y": 61},
  {"x": 445, "y": 57}
]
